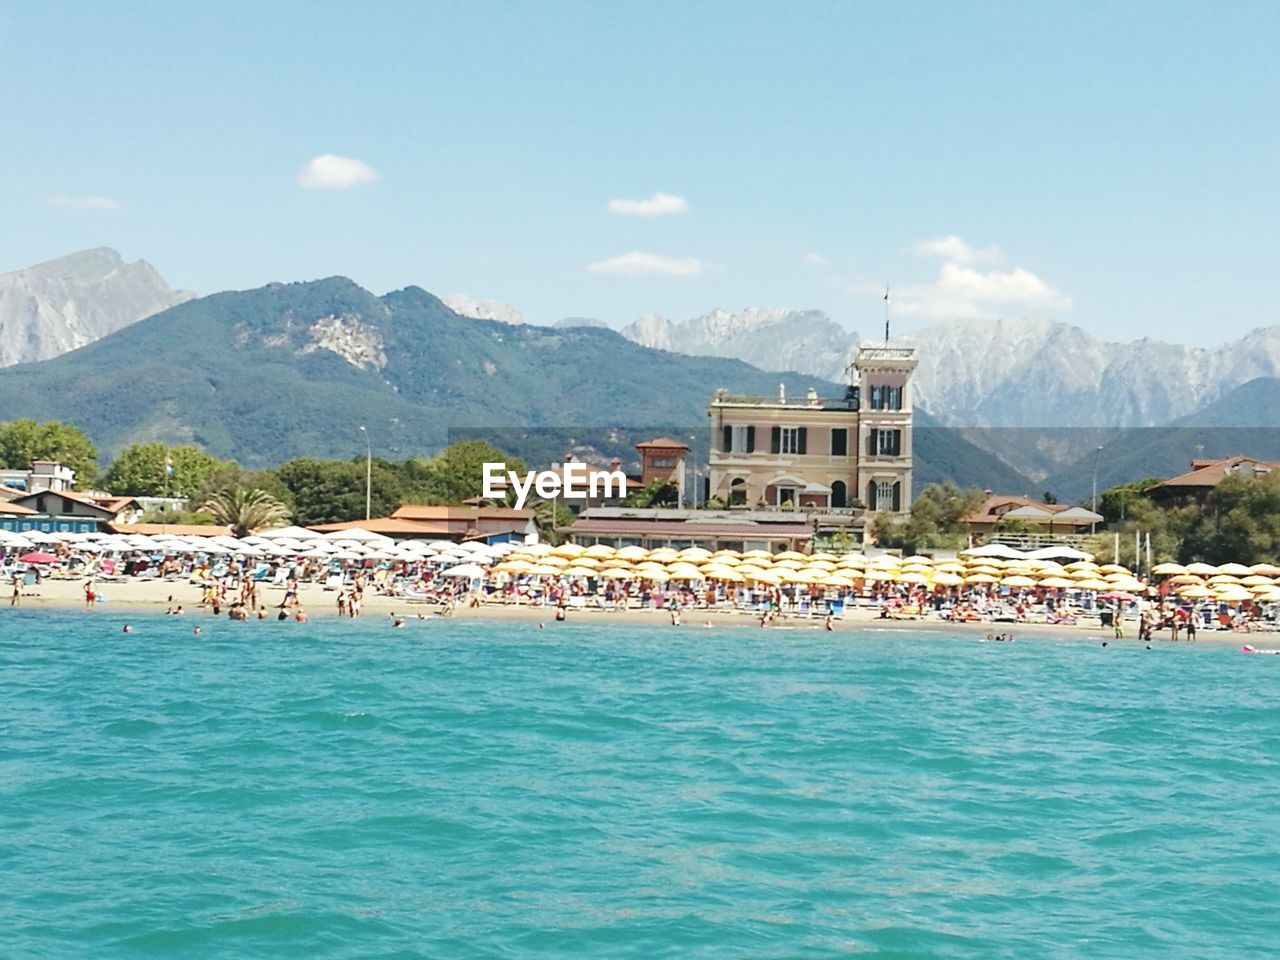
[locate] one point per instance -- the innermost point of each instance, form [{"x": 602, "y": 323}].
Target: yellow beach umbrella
[
  {"x": 945, "y": 578},
  {"x": 1202, "y": 569},
  {"x": 789, "y": 555},
  {"x": 1259, "y": 588},
  {"x": 616, "y": 562},
  {"x": 1081, "y": 565},
  {"x": 1017, "y": 581},
  {"x": 763, "y": 576},
  {"x": 600, "y": 551},
  {"x": 568, "y": 550},
  {"x": 910, "y": 576},
  {"x": 981, "y": 578},
  {"x": 1235, "y": 569},
  {"x": 1092, "y": 584},
  {"x": 536, "y": 549},
  {"x": 790, "y": 563},
  {"x": 1057, "y": 583},
  {"x": 616, "y": 573},
  {"x": 1185, "y": 578},
  {"x": 554, "y": 561},
  {"x": 1266, "y": 569},
  {"x": 949, "y": 566},
  {"x": 1223, "y": 578},
  {"x": 723, "y": 573},
  {"x": 836, "y": 580},
  {"x": 828, "y": 557},
  {"x": 1255, "y": 580},
  {"x": 916, "y": 558},
  {"x": 633, "y": 552},
  {"x": 1194, "y": 591},
  {"x": 579, "y": 572},
  {"x": 514, "y": 566},
  {"x": 1169, "y": 569},
  {"x": 542, "y": 570}
]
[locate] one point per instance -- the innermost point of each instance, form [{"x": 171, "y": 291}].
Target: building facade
[{"x": 815, "y": 452}]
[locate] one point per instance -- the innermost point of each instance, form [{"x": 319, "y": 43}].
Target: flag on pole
[{"x": 886, "y": 313}]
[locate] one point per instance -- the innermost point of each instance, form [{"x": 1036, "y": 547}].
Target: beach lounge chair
[{"x": 333, "y": 581}]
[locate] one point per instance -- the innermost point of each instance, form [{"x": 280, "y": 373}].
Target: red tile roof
[
  {"x": 665, "y": 443},
  {"x": 175, "y": 529},
  {"x": 1213, "y": 472},
  {"x": 998, "y": 504},
  {"x": 422, "y": 511}
]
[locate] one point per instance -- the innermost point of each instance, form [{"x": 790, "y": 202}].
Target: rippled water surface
[{"x": 496, "y": 790}]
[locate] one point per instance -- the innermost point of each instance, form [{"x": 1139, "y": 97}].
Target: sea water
[{"x": 471, "y": 789}]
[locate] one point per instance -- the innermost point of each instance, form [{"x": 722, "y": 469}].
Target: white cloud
[
  {"x": 329, "y": 172},
  {"x": 660, "y": 204},
  {"x": 956, "y": 249},
  {"x": 962, "y": 291},
  {"x": 639, "y": 264},
  {"x": 84, "y": 203},
  {"x": 817, "y": 259}
]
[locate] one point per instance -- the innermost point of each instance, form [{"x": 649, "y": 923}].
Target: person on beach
[
  {"x": 1191, "y": 627},
  {"x": 17, "y": 592},
  {"x": 89, "y": 596},
  {"x": 561, "y": 614}
]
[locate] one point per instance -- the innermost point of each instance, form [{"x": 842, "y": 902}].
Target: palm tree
[{"x": 245, "y": 509}]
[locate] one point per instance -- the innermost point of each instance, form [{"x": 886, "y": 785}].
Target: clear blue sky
[{"x": 1121, "y": 158}]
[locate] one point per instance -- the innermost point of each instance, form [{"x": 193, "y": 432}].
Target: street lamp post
[
  {"x": 368, "y": 474},
  {"x": 1093, "y": 503}
]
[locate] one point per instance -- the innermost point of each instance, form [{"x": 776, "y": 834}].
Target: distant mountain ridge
[
  {"x": 772, "y": 338},
  {"x": 63, "y": 304},
  {"x": 293, "y": 370},
  {"x": 1029, "y": 372}
]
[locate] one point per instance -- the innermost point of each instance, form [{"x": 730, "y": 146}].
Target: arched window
[
  {"x": 838, "y": 493},
  {"x": 737, "y": 492}
]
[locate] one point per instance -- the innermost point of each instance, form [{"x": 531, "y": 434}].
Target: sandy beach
[{"x": 152, "y": 596}]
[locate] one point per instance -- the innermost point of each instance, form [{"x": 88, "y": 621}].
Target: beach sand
[{"x": 151, "y": 596}]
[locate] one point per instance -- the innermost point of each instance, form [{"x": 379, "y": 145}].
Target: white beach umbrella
[
  {"x": 289, "y": 533},
  {"x": 995, "y": 550},
  {"x": 472, "y": 570},
  {"x": 357, "y": 535}
]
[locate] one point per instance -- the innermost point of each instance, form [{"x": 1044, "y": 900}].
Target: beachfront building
[
  {"x": 43, "y": 475},
  {"x": 454, "y": 522},
  {"x": 1204, "y": 475},
  {"x": 62, "y": 511},
  {"x": 713, "y": 529},
  {"x": 819, "y": 453}
]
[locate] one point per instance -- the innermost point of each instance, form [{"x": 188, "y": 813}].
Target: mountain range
[
  {"x": 57, "y": 306},
  {"x": 293, "y": 370},
  {"x": 1039, "y": 395}
]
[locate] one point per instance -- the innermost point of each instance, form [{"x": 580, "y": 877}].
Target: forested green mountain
[
  {"x": 295, "y": 370},
  {"x": 1245, "y": 421}
]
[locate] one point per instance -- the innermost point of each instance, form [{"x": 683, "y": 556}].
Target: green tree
[
  {"x": 1240, "y": 522},
  {"x": 328, "y": 491},
  {"x": 22, "y": 441},
  {"x": 245, "y": 509},
  {"x": 548, "y": 517},
  {"x": 1116, "y": 502},
  {"x": 655, "y": 493},
  {"x": 139, "y": 471},
  {"x": 935, "y": 520},
  {"x": 456, "y": 473}
]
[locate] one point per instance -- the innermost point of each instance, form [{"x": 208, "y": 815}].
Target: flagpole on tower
[{"x": 886, "y": 313}]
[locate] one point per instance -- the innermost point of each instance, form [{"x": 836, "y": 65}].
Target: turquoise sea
[{"x": 339, "y": 790}]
